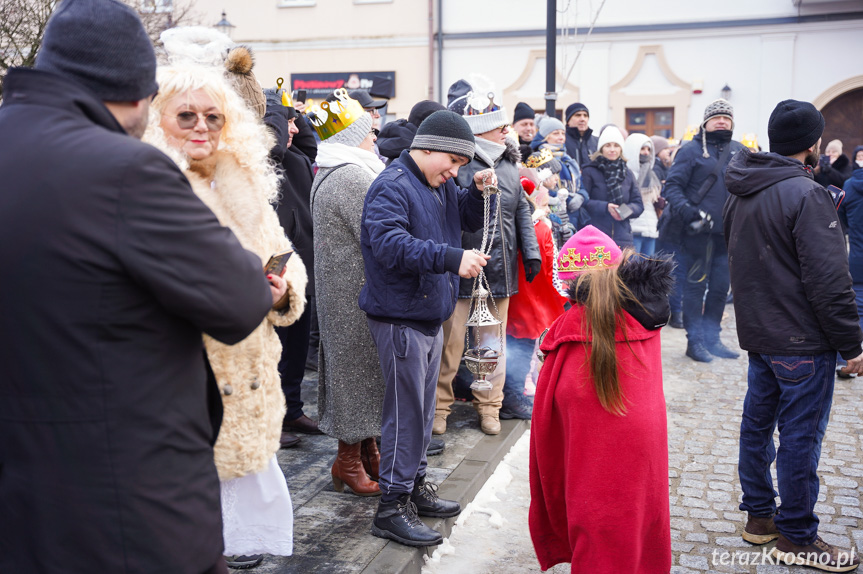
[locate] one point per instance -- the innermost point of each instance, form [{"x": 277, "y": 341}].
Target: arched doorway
[{"x": 843, "y": 117}]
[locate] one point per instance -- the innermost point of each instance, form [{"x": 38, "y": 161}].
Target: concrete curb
[{"x": 462, "y": 484}]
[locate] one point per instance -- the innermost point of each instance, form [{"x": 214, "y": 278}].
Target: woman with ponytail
[{"x": 599, "y": 441}]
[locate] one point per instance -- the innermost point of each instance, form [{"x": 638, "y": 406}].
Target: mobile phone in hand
[
  {"x": 276, "y": 263},
  {"x": 299, "y": 96},
  {"x": 624, "y": 211}
]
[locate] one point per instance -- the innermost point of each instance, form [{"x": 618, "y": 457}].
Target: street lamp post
[
  {"x": 550, "y": 51},
  {"x": 224, "y": 26}
]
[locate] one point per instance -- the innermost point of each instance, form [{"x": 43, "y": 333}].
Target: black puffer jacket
[
  {"x": 835, "y": 173},
  {"x": 294, "y": 212},
  {"x": 789, "y": 268},
  {"x": 689, "y": 170},
  {"x": 514, "y": 230}
]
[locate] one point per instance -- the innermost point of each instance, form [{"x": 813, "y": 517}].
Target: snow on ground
[{"x": 491, "y": 534}]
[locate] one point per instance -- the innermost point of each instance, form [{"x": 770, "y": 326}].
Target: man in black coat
[
  {"x": 580, "y": 141},
  {"x": 695, "y": 188},
  {"x": 795, "y": 309},
  {"x": 295, "y": 150},
  {"x": 112, "y": 269}
]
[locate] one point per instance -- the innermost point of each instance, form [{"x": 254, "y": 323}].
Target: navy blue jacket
[
  {"x": 689, "y": 170},
  {"x": 851, "y": 212},
  {"x": 411, "y": 244},
  {"x": 593, "y": 181}
]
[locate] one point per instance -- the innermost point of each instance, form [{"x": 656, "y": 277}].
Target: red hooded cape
[{"x": 599, "y": 481}]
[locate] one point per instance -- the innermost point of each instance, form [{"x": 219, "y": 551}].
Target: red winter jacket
[{"x": 537, "y": 304}]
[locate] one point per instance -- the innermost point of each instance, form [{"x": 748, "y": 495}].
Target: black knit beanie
[
  {"x": 576, "y": 107},
  {"x": 523, "y": 112},
  {"x": 422, "y": 110},
  {"x": 793, "y": 127},
  {"x": 102, "y": 45},
  {"x": 447, "y": 132}
]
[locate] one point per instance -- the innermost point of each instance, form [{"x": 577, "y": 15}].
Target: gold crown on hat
[
  {"x": 287, "y": 100},
  {"x": 543, "y": 158},
  {"x": 329, "y": 118},
  {"x": 571, "y": 260}
]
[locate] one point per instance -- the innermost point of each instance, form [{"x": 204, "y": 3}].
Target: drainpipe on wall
[
  {"x": 431, "y": 50},
  {"x": 440, "y": 93}
]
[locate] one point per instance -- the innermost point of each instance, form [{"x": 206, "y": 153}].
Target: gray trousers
[{"x": 410, "y": 361}]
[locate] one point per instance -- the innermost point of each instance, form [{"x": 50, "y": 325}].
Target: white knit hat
[
  {"x": 480, "y": 121},
  {"x": 610, "y": 135}
]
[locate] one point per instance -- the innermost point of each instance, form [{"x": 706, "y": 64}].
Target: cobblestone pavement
[{"x": 704, "y": 406}]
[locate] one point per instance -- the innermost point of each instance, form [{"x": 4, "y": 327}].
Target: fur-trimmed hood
[{"x": 650, "y": 280}]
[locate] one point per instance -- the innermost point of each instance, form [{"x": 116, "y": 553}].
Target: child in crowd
[{"x": 599, "y": 441}]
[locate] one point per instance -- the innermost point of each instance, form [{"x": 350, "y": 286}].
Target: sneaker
[
  {"x": 717, "y": 349},
  {"x": 398, "y": 520},
  {"x": 489, "y": 424},
  {"x": 439, "y": 424},
  {"x": 427, "y": 502},
  {"x": 436, "y": 447},
  {"x": 818, "y": 555},
  {"x": 244, "y": 562},
  {"x": 760, "y": 529},
  {"x": 516, "y": 407},
  {"x": 698, "y": 352}
]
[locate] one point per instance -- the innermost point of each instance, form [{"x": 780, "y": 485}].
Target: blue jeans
[
  {"x": 858, "y": 291},
  {"x": 644, "y": 245},
  {"x": 705, "y": 290},
  {"x": 796, "y": 392},
  {"x": 520, "y": 353}
]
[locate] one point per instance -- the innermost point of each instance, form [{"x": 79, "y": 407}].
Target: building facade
[{"x": 647, "y": 66}]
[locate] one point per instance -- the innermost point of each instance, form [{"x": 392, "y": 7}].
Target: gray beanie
[
  {"x": 447, "y": 132},
  {"x": 102, "y": 45},
  {"x": 548, "y": 125},
  {"x": 354, "y": 134}
]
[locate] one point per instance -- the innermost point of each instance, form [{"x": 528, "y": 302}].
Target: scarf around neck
[
  {"x": 489, "y": 151},
  {"x": 335, "y": 154},
  {"x": 614, "y": 173}
]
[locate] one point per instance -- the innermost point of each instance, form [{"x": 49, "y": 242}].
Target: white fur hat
[
  {"x": 610, "y": 135},
  {"x": 196, "y": 44}
]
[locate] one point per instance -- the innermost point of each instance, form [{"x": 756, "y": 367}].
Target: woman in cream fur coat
[{"x": 223, "y": 148}]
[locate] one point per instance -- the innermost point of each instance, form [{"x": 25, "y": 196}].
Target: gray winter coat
[
  {"x": 350, "y": 383},
  {"x": 514, "y": 230}
]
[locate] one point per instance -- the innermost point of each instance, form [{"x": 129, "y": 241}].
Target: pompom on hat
[{"x": 588, "y": 249}]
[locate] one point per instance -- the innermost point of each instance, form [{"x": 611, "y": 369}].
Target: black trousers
[{"x": 292, "y": 366}]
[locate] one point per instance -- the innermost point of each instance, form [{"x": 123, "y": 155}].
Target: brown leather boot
[
  {"x": 371, "y": 457},
  {"x": 760, "y": 529},
  {"x": 818, "y": 555},
  {"x": 348, "y": 469}
]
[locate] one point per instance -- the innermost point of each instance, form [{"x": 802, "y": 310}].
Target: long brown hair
[{"x": 603, "y": 293}]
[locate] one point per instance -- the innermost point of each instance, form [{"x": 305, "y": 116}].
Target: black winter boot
[
  {"x": 698, "y": 352},
  {"x": 676, "y": 320},
  {"x": 398, "y": 520},
  {"x": 427, "y": 502},
  {"x": 718, "y": 349}
]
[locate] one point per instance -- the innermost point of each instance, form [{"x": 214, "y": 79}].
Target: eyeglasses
[{"x": 188, "y": 120}]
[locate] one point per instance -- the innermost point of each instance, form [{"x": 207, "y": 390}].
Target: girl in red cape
[{"x": 599, "y": 440}]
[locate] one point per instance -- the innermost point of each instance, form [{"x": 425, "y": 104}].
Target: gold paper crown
[
  {"x": 750, "y": 141},
  {"x": 543, "y": 158},
  {"x": 287, "y": 100},
  {"x": 329, "y": 118},
  {"x": 573, "y": 261}
]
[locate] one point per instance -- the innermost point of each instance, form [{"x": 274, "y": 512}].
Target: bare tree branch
[{"x": 22, "y": 25}]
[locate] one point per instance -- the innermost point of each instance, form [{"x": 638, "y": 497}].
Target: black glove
[{"x": 531, "y": 269}]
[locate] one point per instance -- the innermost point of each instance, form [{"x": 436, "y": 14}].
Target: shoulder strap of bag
[
  {"x": 317, "y": 184},
  {"x": 711, "y": 179}
]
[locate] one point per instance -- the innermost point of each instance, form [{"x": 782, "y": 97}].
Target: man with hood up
[{"x": 795, "y": 309}]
